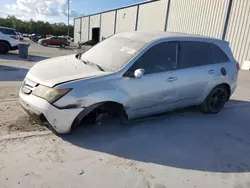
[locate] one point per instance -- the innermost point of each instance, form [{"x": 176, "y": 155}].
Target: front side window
[
  {"x": 217, "y": 55},
  {"x": 159, "y": 58},
  {"x": 193, "y": 54}
]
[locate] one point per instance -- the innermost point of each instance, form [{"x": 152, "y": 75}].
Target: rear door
[
  {"x": 222, "y": 70},
  {"x": 193, "y": 68},
  {"x": 53, "y": 41},
  {"x": 62, "y": 41}
]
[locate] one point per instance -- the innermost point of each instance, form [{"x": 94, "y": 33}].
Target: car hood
[{"x": 61, "y": 69}]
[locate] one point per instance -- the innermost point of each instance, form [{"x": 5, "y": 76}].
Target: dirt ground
[
  {"x": 179, "y": 149},
  {"x": 12, "y": 72}
]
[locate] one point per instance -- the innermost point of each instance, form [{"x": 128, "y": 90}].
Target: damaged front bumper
[{"x": 59, "y": 120}]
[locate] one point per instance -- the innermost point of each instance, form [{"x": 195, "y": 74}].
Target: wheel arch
[
  {"x": 228, "y": 89},
  {"x": 117, "y": 106},
  {"x": 7, "y": 42}
]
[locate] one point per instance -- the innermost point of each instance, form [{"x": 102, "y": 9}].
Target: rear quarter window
[
  {"x": 193, "y": 54},
  {"x": 217, "y": 55}
]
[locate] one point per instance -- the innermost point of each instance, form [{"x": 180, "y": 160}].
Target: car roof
[
  {"x": 150, "y": 36},
  {"x": 7, "y": 28}
]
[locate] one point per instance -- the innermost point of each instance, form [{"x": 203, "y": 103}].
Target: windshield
[{"x": 112, "y": 53}]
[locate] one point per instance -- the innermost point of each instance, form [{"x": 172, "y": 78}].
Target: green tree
[{"x": 39, "y": 27}]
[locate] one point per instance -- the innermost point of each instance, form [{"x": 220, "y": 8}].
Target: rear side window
[
  {"x": 7, "y": 31},
  {"x": 193, "y": 54},
  {"x": 217, "y": 55},
  {"x": 159, "y": 58}
]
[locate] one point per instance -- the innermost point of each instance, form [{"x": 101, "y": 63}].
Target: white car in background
[
  {"x": 8, "y": 40},
  {"x": 20, "y": 35}
]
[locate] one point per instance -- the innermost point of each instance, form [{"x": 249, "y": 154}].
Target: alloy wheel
[{"x": 217, "y": 99}]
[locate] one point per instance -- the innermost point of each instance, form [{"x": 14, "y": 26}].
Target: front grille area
[{"x": 28, "y": 86}]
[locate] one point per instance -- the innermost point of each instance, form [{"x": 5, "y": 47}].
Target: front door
[{"x": 155, "y": 91}]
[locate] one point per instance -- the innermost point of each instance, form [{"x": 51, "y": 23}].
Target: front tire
[
  {"x": 45, "y": 44},
  {"x": 216, "y": 100},
  {"x": 4, "y": 48}
]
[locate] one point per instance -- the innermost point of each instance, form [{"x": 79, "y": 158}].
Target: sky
[{"x": 55, "y": 11}]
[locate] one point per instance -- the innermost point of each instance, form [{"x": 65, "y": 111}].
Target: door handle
[
  {"x": 171, "y": 79},
  {"x": 211, "y": 72}
]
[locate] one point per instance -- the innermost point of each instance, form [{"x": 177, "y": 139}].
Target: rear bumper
[
  {"x": 59, "y": 120},
  {"x": 233, "y": 88}
]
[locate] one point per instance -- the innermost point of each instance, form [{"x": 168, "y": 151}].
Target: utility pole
[{"x": 68, "y": 17}]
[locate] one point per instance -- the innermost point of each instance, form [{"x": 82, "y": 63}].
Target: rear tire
[
  {"x": 216, "y": 100},
  {"x": 62, "y": 45},
  {"x": 4, "y": 48}
]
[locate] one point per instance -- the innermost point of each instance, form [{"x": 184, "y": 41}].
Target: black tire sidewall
[
  {"x": 5, "y": 48},
  {"x": 62, "y": 45},
  {"x": 206, "y": 105}
]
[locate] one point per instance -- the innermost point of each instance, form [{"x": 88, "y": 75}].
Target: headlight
[{"x": 50, "y": 94}]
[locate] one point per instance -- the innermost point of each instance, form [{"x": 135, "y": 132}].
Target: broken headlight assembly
[{"x": 50, "y": 94}]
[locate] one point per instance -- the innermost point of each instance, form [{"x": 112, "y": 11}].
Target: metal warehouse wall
[
  {"x": 223, "y": 19},
  {"x": 238, "y": 31},
  {"x": 107, "y": 24},
  {"x": 152, "y": 16},
  {"x": 94, "y": 22},
  {"x": 77, "y": 30},
  {"x": 85, "y": 29},
  {"x": 126, "y": 19},
  {"x": 205, "y": 17}
]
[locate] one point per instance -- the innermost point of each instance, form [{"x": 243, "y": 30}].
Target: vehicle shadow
[
  {"x": 184, "y": 139},
  {"x": 8, "y": 73},
  {"x": 15, "y": 57}
]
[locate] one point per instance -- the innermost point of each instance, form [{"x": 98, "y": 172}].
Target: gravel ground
[{"x": 179, "y": 149}]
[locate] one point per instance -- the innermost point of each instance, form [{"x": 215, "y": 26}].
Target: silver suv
[{"x": 130, "y": 75}]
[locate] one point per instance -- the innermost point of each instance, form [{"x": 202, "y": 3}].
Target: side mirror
[{"x": 139, "y": 73}]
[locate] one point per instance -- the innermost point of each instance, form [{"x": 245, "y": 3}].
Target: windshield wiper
[
  {"x": 99, "y": 67},
  {"x": 93, "y": 65}
]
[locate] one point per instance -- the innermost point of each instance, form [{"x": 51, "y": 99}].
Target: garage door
[{"x": 94, "y": 23}]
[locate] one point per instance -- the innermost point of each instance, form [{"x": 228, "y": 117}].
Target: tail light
[
  {"x": 238, "y": 66},
  {"x": 14, "y": 37}
]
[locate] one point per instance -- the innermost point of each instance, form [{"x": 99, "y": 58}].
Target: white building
[{"x": 224, "y": 19}]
